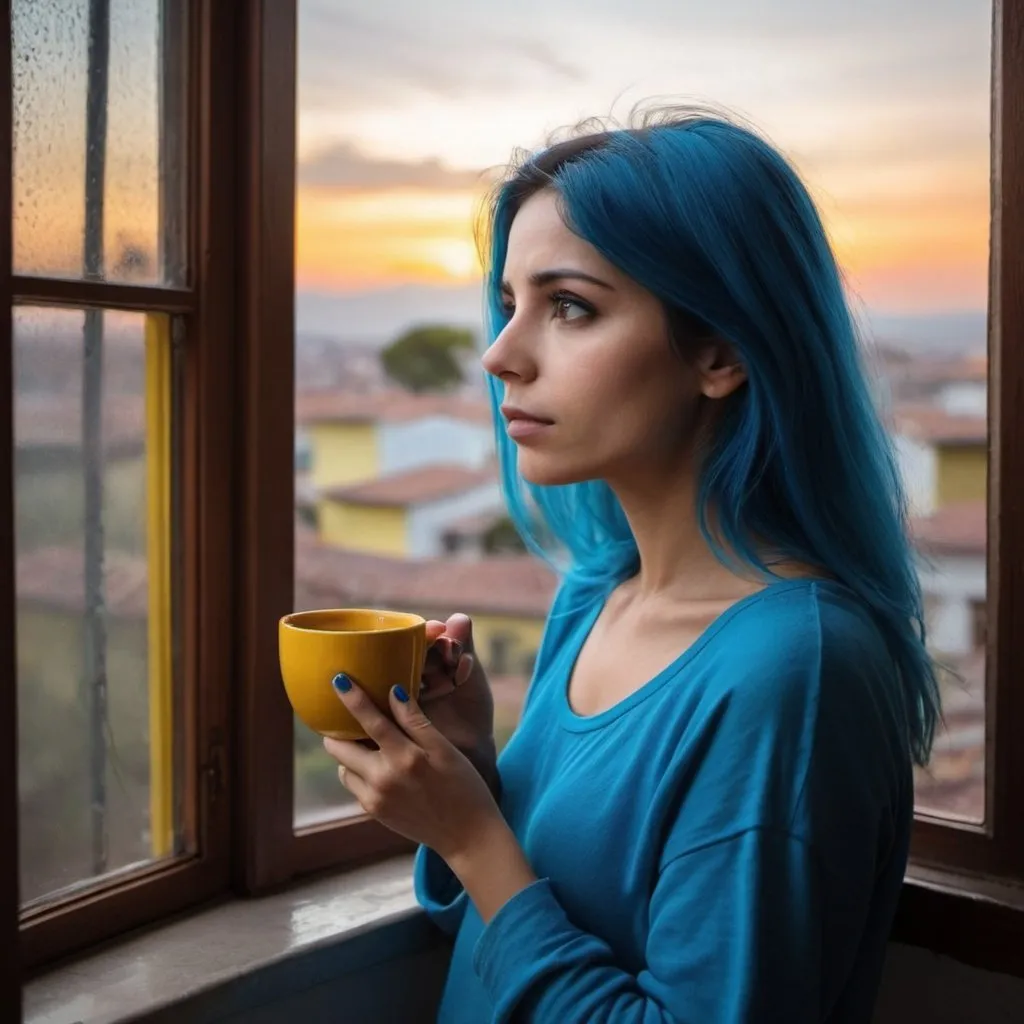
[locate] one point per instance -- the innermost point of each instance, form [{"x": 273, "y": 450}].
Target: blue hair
[{"x": 714, "y": 222}]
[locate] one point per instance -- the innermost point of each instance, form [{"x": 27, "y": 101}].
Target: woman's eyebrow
[{"x": 543, "y": 277}]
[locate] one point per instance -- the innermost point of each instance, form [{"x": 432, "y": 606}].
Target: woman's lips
[
  {"x": 523, "y": 425},
  {"x": 520, "y": 428}
]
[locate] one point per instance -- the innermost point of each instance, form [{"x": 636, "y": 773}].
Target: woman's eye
[{"x": 570, "y": 309}]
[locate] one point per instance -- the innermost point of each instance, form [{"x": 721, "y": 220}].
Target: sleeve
[
  {"x": 438, "y": 891},
  {"x": 735, "y": 936}
]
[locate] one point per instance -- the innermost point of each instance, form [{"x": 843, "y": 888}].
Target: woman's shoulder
[
  {"x": 799, "y": 715},
  {"x": 803, "y": 623},
  {"x": 798, "y": 648}
]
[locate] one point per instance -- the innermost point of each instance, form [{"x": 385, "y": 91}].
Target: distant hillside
[
  {"x": 938, "y": 334},
  {"x": 373, "y": 318},
  {"x": 378, "y": 317}
]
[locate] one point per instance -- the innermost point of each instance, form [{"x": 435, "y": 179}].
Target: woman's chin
[{"x": 545, "y": 471}]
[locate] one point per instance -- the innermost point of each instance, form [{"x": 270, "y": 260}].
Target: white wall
[
  {"x": 950, "y": 583},
  {"x": 428, "y": 522},
  {"x": 964, "y": 398},
  {"x": 432, "y": 440},
  {"x": 919, "y": 469}
]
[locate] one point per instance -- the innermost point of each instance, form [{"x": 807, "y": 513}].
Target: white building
[{"x": 952, "y": 569}]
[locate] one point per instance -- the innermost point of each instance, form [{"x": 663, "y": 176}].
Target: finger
[
  {"x": 440, "y": 685},
  {"x": 351, "y": 755},
  {"x": 374, "y": 722},
  {"x": 465, "y": 668},
  {"x": 443, "y": 655},
  {"x": 411, "y": 719},
  {"x": 460, "y": 627},
  {"x": 435, "y": 628},
  {"x": 356, "y": 785}
]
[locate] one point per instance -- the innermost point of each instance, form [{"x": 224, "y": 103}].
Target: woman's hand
[
  {"x": 455, "y": 692},
  {"x": 416, "y": 783}
]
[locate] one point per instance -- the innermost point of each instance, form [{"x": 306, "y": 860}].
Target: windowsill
[
  {"x": 979, "y": 922},
  {"x": 222, "y": 961},
  {"x": 237, "y": 955}
]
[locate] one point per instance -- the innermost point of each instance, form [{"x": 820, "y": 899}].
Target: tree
[{"x": 427, "y": 358}]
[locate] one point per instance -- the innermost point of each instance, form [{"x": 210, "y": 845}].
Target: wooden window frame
[
  {"x": 996, "y": 847},
  {"x": 964, "y": 894},
  {"x": 273, "y": 853},
  {"x": 10, "y": 951},
  {"x": 205, "y": 598}
]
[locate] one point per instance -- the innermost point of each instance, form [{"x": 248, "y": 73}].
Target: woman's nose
[{"x": 509, "y": 357}]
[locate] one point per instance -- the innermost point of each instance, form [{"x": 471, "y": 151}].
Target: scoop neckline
[{"x": 574, "y": 722}]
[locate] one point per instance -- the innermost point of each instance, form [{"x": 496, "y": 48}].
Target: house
[
  {"x": 951, "y": 544},
  {"x": 354, "y": 437},
  {"x": 943, "y": 455},
  {"x": 958, "y": 385},
  {"x": 406, "y": 513}
]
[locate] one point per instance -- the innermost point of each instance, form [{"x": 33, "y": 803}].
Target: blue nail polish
[
  {"x": 342, "y": 683},
  {"x": 401, "y": 695}
]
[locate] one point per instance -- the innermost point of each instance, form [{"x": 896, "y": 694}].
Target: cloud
[
  {"x": 343, "y": 166},
  {"x": 381, "y": 58},
  {"x": 542, "y": 55}
]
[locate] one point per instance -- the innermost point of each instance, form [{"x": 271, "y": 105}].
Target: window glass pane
[
  {"x": 99, "y": 89},
  {"x": 883, "y": 109},
  {"x": 98, "y": 749}
]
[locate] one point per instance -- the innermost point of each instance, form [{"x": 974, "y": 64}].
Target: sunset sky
[{"x": 883, "y": 105}]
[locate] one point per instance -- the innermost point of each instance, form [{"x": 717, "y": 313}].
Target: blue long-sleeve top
[{"x": 727, "y": 844}]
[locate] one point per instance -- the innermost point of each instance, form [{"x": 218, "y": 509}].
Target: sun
[{"x": 456, "y": 257}]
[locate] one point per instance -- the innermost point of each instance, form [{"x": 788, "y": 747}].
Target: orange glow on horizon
[
  {"x": 898, "y": 251},
  {"x": 352, "y": 240}
]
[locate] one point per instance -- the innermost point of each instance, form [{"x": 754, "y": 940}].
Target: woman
[{"x": 704, "y": 814}]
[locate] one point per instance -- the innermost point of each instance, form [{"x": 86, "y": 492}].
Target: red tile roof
[
  {"x": 967, "y": 369},
  {"x": 517, "y": 585},
  {"x": 959, "y": 528},
  {"x": 392, "y": 406},
  {"x": 413, "y": 486},
  {"x": 928, "y": 423}
]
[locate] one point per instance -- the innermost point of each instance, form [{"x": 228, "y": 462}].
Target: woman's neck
[{"x": 676, "y": 561}]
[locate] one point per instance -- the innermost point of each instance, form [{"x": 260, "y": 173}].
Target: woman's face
[{"x": 593, "y": 389}]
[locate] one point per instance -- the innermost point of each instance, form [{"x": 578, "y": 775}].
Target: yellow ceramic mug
[{"x": 375, "y": 649}]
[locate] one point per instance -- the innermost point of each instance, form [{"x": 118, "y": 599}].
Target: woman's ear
[{"x": 719, "y": 369}]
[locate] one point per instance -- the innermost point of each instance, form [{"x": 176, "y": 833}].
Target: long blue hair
[{"x": 714, "y": 222}]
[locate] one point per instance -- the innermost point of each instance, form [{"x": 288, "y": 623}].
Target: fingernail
[
  {"x": 342, "y": 683},
  {"x": 401, "y": 695}
]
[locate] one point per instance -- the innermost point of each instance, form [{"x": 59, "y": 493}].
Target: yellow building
[
  {"x": 961, "y": 472},
  {"x": 352, "y": 437},
  {"x": 944, "y": 457},
  {"x": 405, "y": 514}
]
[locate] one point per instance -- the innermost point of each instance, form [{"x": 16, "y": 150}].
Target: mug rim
[{"x": 289, "y": 621}]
